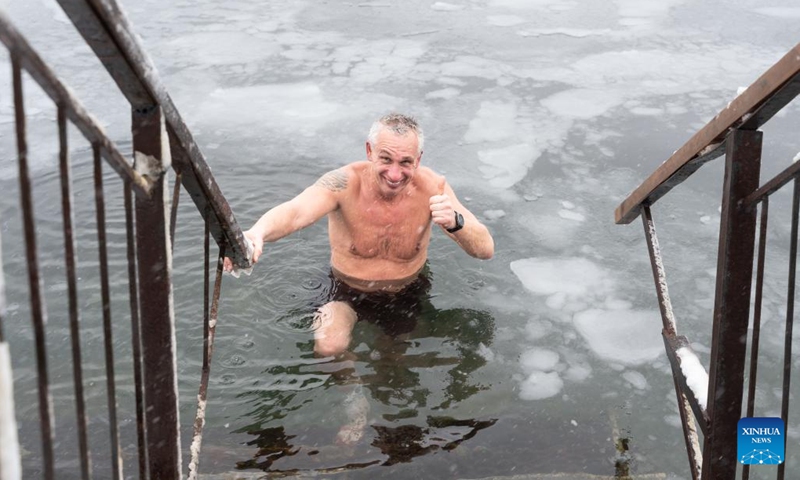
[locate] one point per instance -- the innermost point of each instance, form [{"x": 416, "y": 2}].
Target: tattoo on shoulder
[{"x": 335, "y": 180}]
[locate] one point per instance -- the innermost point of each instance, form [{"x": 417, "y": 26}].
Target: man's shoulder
[
  {"x": 428, "y": 180},
  {"x": 342, "y": 178},
  {"x": 427, "y": 172},
  {"x": 356, "y": 167}
]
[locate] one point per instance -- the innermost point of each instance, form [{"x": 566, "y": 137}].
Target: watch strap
[{"x": 459, "y": 224}]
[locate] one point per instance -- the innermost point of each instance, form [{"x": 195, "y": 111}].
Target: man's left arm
[{"x": 469, "y": 233}]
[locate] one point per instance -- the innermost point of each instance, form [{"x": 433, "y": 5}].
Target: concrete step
[{"x": 533, "y": 476}]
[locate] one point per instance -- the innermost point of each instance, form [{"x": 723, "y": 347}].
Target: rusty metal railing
[
  {"x": 160, "y": 140},
  {"x": 716, "y": 405}
]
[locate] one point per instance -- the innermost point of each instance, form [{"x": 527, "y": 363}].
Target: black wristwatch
[{"x": 459, "y": 224}]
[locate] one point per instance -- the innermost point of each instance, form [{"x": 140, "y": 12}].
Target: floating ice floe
[
  {"x": 785, "y": 13},
  {"x": 504, "y": 20},
  {"x": 285, "y": 107},
  {"x": 533, "y": 4},
  {"x": 540, "y": 385},
  {"x": 647, "y": 111},
  {"x": 567, "y": 32},
  {"x": 504, "y": 167},
  {"x": 627, "y": 337},
  {"x": 446, "y": 7},
  {"x": 444, "y": 93},
  {"x": 636, "y": 379},
  {"x": 578, "y": 373},
  {"x": 536, "y": 329},
  {"x": 495, "y": 121},
  {"x": 570, "y": 215},
  {"x": 539, "y": 359},
  {"x": 573, "y": 276},
  {"x": 582, "y": 103},
  {"x": 494, "y": 214},
  {"x": 216, "y": 47}
]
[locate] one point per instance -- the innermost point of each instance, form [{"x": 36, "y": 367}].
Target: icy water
[{"x": 543, "y": 115}]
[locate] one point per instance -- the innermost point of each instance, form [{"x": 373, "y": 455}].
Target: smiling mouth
[{"x": 394, "y": 184}]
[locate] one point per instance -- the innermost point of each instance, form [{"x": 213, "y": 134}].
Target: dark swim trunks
[{"x": 396, "y": 313}]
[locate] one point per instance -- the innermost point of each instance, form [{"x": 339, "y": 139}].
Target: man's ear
[
  {"x": 369, "y": 151},
  {"x": 419, "y": 159}
]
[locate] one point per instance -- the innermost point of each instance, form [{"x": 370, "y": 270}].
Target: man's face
[{"x": 394, "y": 159}]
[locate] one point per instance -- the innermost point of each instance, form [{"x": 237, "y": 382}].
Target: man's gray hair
[{"x": 399, "y": 124}]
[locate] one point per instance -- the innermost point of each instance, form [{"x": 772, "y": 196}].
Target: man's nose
[{"x": 395, "y": 173}]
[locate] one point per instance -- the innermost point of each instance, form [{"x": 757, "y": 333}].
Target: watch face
[{"x": 459, "y": 223}]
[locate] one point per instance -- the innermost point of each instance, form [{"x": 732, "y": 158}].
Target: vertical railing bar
[
  {"x": 133, "y": 289},
  {"x": 38, "y": 311},
  {"x": 72, "y": 292},
  {"x": 787, "y": 354},
  {"x": 206, "y": 274},
  {"x": 659, "y": 275},
  {"x": 209, "y": 332},
  {"x": 691, "y": 438},
  {"x": 111, "y": 394},
  {"x": 173, "y": 217},
  {"x": 206, "y": 312},
  {"x": 762, "y": 249}
]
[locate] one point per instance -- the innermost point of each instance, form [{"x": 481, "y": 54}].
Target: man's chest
[{"x": 399, "y": 231}]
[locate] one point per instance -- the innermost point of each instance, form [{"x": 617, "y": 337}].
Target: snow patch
[{"x": 695, "y": 373}]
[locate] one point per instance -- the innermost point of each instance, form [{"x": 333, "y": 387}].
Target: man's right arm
[{"x": 306, "y": 208}]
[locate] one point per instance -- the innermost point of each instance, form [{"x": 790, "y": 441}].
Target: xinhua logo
[{"x": 761, "y": 441}]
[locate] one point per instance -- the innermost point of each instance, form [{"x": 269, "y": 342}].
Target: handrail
[
  {"x": 61, "y": 95},
  {"x": 755, "y": 106},
  {"x": 714, "y": 399},
  {"x": 160, "y": 139},
  {"x": 137, "y": 78}
]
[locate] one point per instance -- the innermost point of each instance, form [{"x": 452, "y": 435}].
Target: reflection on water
[
  {"x": 388, "y": 399},
  {"x": 403, "y": 443}
]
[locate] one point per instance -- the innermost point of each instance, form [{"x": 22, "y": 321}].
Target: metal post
[
  {"x": 787, "y": 339},
  {"x": 105, "y": 293},
  {"x": 154, "y": 255},
  {"x": 72, "y": 295},
  {"x": 38, "y": 307},
  {"x": 732, "y": 303}
]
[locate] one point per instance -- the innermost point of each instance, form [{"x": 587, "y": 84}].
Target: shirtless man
[{"x": 380, "y": 213}]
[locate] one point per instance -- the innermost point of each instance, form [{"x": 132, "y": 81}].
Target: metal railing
[
  {"x": 734, "y": 132},
  {"x": 160, "y": 140}
]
